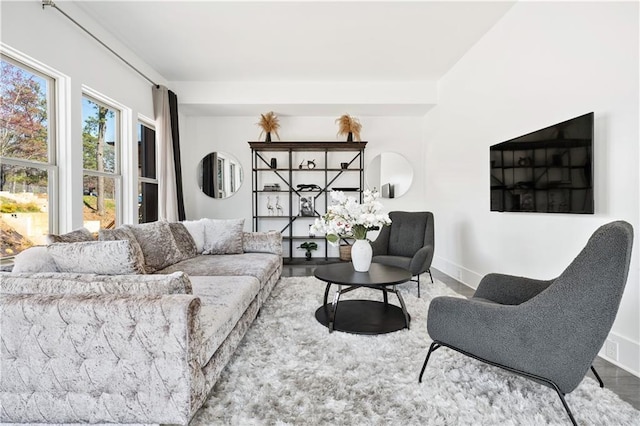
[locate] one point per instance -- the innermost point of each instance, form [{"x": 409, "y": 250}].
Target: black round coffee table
[{"x": 362, "y": 316}]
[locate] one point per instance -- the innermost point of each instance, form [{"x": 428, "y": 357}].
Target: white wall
[
  {"x": 201, "y": 135},
  {"x": 50, "y": 38},
  {"x": 543, "y": 63}
]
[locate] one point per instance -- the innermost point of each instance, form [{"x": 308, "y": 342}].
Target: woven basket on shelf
[{"x": 345, "y": 252}]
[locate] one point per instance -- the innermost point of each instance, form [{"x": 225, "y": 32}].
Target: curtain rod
[{"x": 53, "y": 5}]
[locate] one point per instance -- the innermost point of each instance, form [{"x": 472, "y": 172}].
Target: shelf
[
  {"x": 304, "y": 169},
  {"x": 308, "y": 146},
  {"x": 301, "y": 261},
  {"x": 328, "y": 176}
]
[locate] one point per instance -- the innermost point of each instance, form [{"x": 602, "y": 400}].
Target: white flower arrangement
[{"x": 346, "y": 218}]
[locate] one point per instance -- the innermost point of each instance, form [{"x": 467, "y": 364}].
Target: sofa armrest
[
  {"x": 509, "y": 289},
  {"x": 73, "y": 283},
  {"x": 262, "y": 242},
  {"x": 99, "y": 358}
]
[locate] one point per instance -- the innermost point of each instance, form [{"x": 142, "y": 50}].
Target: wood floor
[{"x": 621, "y": 382}]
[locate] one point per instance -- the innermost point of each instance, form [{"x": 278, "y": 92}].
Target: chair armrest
[
  {"x": 523, "y": 337},
  {"x": 380, "y": 245},
  {"x": 99, "y": 358},
  {"x": 509, "y": 289},
  {"x": 421, "y": 261},
  {"x": 262, "y": 242}
]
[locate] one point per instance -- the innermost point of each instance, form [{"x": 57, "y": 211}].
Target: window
[
  {"x": 28, "y": 169},
  {"x": 101, "y": 164},
  {"x": 147, "y": 178}
]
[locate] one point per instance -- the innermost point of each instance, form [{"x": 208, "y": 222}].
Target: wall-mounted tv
[{"x": 546, "y": 171}]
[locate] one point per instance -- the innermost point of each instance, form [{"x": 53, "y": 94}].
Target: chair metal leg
[
  {"x": 429, "y": 271},
  {"x": 595, "y": 373},
  {"x": 436, "y": 344},
  {"x": 418, "y": 285},
  {"x": 564, "y": 403},
  {"x": 432, "y": 348}
]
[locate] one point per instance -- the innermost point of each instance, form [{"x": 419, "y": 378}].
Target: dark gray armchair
[
  {"x": 407, "y": 243},
  {"x": 548, "y": 331}
]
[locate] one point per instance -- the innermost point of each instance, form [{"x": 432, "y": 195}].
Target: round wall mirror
[
  {"x": 219, "y": 175},
  {"x": 390, "y": 173}
]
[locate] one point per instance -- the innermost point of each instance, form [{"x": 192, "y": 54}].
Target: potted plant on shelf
[
  {"x": 347, "y": 218},
  {"x": 308, "y": 246},
  {"x": 269, "y": 122},
  {"x": 349, "y": 126}
]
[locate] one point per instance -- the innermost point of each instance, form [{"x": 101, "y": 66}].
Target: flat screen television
[{"x": 546, "y": 171}]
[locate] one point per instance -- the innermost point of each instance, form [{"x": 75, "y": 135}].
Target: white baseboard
[
  {"x": 458, "y": 272},
  {"x": 628, "y": 351}
]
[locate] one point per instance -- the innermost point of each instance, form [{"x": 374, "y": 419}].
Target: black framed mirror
[
  {"x": 219, "y": 175},
  {"x": 390, "y": 173}
]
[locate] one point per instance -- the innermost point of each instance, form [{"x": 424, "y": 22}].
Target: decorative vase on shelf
[
  {"x": 361, "y": 254},
  {"x": 268, "y": 137}
]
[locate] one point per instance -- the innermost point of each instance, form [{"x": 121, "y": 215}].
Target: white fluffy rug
[{"x": 290, "y": 370}]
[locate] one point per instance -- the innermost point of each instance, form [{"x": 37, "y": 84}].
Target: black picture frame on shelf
[{"x": 307, "y": 205}]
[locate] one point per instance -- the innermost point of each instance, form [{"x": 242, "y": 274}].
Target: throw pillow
[
  {"x": 34, "y": 259},
  {"x": 97, "y": 257},
  {"x": 223, "y": 236},
  {"x": 76, "y": 236},
  {"x": 122, "y": 233},
  {"x": 196, "y": 229},
  {"x": 262, "y": 242},
  {"x": 158, "y": 245},
  {"x": 184, "y": 240}
]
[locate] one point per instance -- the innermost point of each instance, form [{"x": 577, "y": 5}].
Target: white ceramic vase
[{"x": 361, "y": 254}]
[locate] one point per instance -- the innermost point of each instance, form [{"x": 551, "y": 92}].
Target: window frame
[
  {"x": 120, "y": 145},
  {"x": 149, "y": 123},
  {"x": 57, "y": 114}
]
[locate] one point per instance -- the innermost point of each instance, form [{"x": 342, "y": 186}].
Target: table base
[{"x": 363, "y": 317}]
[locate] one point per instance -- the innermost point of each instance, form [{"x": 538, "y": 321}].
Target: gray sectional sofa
[{"x": 106, "y": 347}]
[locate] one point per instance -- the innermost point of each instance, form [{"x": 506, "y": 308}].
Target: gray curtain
[{"x": 167, "y": 187}]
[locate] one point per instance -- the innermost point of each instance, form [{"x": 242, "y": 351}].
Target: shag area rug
[{"x": 290, "y": 371}]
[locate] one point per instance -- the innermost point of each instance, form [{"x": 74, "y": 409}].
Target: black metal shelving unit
[{"x": 287, "y": 176}]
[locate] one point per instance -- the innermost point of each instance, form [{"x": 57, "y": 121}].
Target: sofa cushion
[
  {"x": 99, "y": 257},
  {"x": 72, "y": 283},
  {"x": 262, "y": 242},
  {"x": 196, "y": 230},
  {"x": 184, "y": 240},
  {"x": 122, "y": 233},
  {"x": 34, "y": 259},
  {"x": 76, "y": 236},
  {"x": 158, "y": 245},
  {"x": 223, "y": 236},
  {"x": 223, "y": 302},
  {"x": 258, "y": 265}
]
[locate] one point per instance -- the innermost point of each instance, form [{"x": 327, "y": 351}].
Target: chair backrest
[
  {"x": 409, "y": 232},
  {"x": 581, "y": 305}
]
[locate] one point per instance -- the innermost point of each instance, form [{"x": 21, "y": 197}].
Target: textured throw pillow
[
  {"x": 97, "y": 257},
  {"x": 196, "y": 229},
  {"x": 79, "y": 235},
  {"x": 184, "y": 240},
  {"x": 122, "y": 233},
  {"x": 223, "y": 236},
  {"x": 158, "y": 245},
  {"x": 262, "y": 242},
  {"x": 34, "y": 259}
]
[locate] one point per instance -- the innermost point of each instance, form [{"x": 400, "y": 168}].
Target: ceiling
[{"x": 293, "y": 41}]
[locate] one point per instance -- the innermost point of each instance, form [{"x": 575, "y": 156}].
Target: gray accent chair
[
  {"x": 407, "y": 243},
  {"x": 548, "y": 331}
]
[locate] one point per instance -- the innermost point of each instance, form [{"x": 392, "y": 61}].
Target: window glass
[
  {"x": 100, "y": 151},
  {"x": 26, "y": 157},
  {"x": 147, "y": 181}
]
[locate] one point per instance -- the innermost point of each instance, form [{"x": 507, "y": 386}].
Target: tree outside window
[
  {"x": 26, "y": 155},
  {"x": 100, "y": 149}
]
